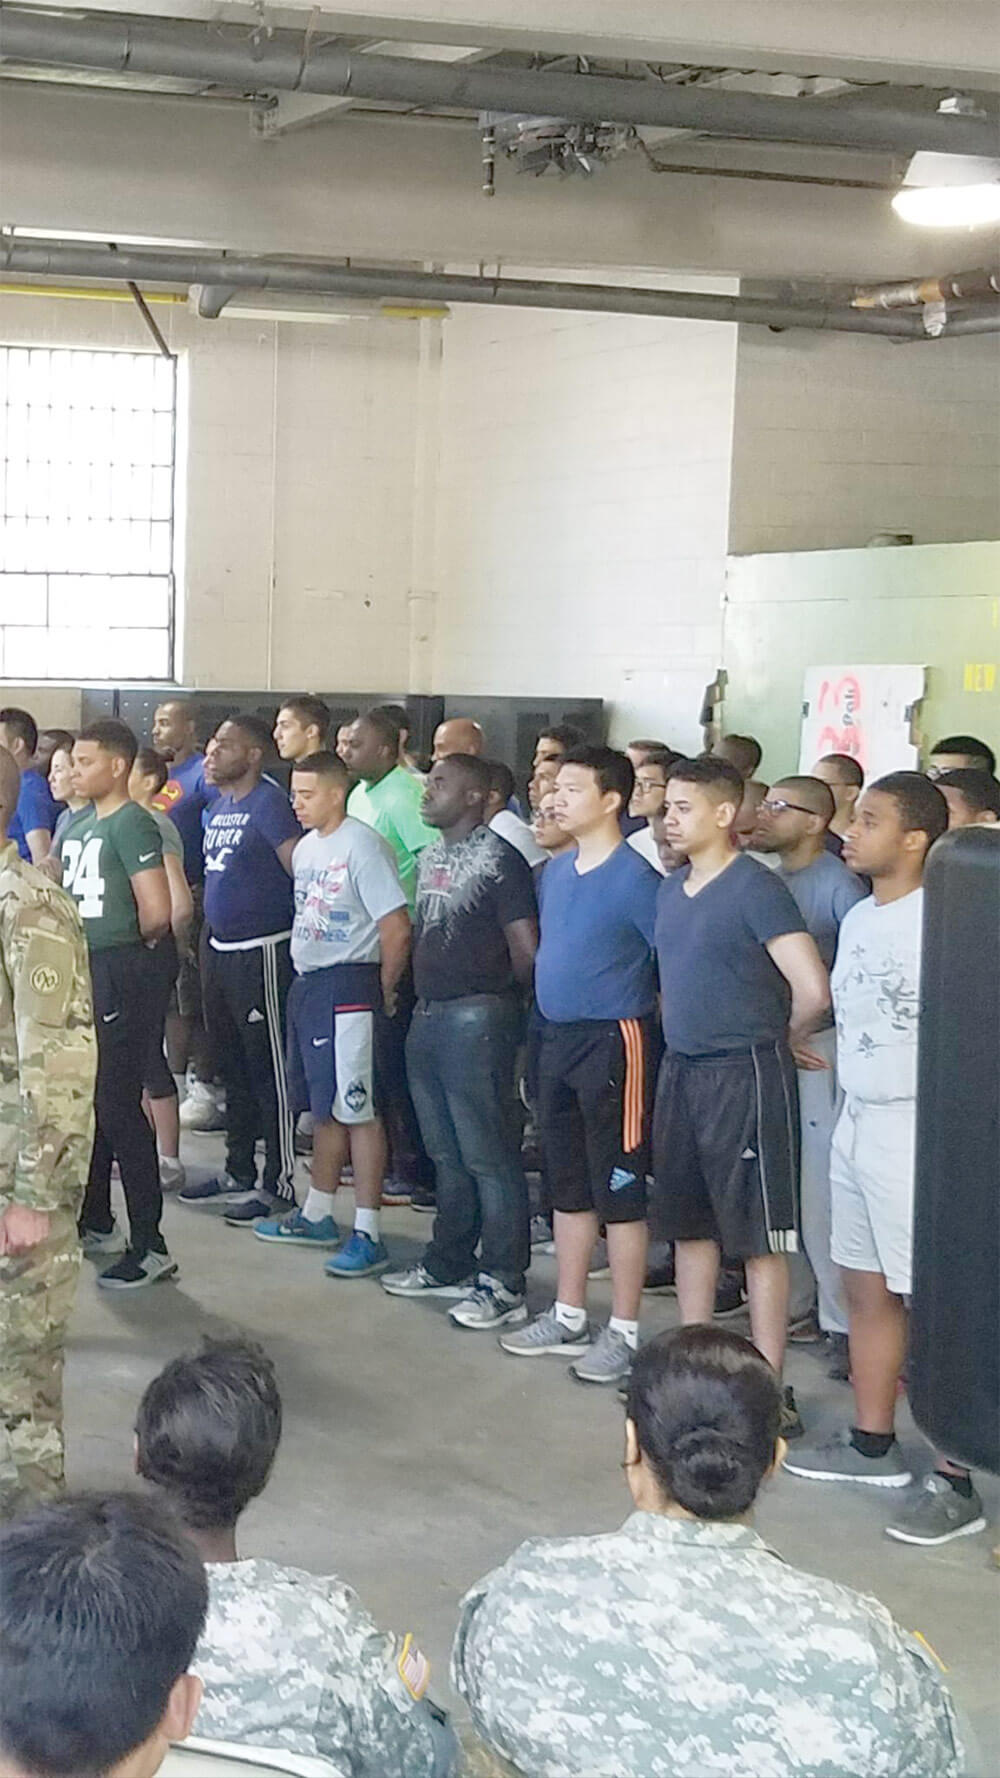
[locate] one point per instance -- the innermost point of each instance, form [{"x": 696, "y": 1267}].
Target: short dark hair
[
  {"x": 978, "y": 789},
  {"x": 152, "y": 765},
  {"x": 613, "y": 770},
  {"x": 254, "y": 728},
  {"x": 706, "y": 1407},
  {"x": 102, "y": 1602},
  {"x": 208, "y": 1429},
  {"x": 969, "y": 744},
  {"x": 922, "y": 808},
  {"x": 112, "y": 737},
  {"x": 22, "y": 724},
  {"x": 748, "y": 749},
  {"x": 385, "y": 726},
  {"x": 325, "y": 765},
  {"x": 396, "y": 713},
  {"x": 713, "y": 774},
  {"x": 309, "y": 710},
  {"x": 645, "y": 746},
  {"x": 476, "y": 771},
  {"x": 659, "y": 754},
  {"x": 566, "y": 733},
  {"x": 501, "y": 779},
  {"x": 61, "y": 738},
  {"x": 848, "y": 767}
]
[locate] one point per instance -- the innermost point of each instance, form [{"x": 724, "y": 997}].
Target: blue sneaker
[
  {"x": 224, "y": 1190},
  {"x": 295, "y": 1231},
  {"x": 360, "y": 1257}
]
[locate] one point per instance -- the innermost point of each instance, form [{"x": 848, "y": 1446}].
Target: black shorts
[
  {"x": 726, "y": 1151},
  {"x": 330, "y": 1064},
  {"x": 595, "y": 1093}
]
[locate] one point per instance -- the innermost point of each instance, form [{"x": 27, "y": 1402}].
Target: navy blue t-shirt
[
  {"x": 720, "y": 991},
  {"x": 595, "y": 953},
  {"x": 36, "y": 808},
  {"x": 185, "y": 797},
  {"x": 248, "y": 892}
]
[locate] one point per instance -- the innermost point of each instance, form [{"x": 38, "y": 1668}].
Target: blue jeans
[{"x": 460, "y": 1061}]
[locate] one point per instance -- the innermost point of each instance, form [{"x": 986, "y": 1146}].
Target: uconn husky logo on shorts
[{"x": 356, "y": 1096}]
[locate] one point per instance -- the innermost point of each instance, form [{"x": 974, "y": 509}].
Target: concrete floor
[{"x": 417, "y": 1456}]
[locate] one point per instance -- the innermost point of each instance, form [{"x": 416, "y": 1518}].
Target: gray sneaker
[
  {"x": 417, "y": 1281},
  {"x": 545, "y": 1334},
  {"x": 489, "y": 1305},
  {"x": 608, "y": 1361},
  {"x": 835, "y": 1459},
  {"x": 937, "y": 1514}
]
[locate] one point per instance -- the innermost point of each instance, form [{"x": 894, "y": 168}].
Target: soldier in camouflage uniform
[
  {"x": 48, "y": 1060},
  {"x": 288, "y": 1659},
  {"x": 681, "y": 1645}
]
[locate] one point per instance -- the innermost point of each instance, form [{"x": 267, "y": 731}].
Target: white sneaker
[
  {"x": 417, "y": 1281},
  {"x": 201, "y": 1109},
  {"x": 172, "y": 1173},
  {"x": 489, "y": 1305}
]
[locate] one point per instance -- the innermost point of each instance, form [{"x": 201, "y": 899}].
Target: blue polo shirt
[
  {"x": 595, "y": 953},
  {"x": 36, "y": 807},
  {"x": 248, "y": 892},
  {"x": 185, "y": 797}
]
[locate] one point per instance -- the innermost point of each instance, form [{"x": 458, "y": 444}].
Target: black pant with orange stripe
[{"x": 596, "y": 1082}]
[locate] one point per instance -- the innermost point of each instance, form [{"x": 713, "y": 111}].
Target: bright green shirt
[
  {"x": 392, "y": 807},
  {"x": 99, "y": 857}
]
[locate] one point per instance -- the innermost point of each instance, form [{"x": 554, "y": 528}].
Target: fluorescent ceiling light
[{"x": 949, "y": 191}]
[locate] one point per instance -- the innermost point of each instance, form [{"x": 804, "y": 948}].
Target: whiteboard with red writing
[{"x": 867, "y": 712}]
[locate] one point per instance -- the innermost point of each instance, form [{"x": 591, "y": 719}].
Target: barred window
[{"x": 87, "y": 444}]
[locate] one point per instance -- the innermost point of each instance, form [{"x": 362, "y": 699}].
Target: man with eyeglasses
[
  {"x": 648, "y": 799},
  {"x": 793, "y": 822}
]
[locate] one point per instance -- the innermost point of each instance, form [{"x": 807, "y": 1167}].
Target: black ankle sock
[
  {"x": 871, "y": 1444},
  {"x": 962, "y": 1484}
]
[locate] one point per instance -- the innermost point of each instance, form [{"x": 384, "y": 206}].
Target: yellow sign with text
[{"x": 980, "y": 676}]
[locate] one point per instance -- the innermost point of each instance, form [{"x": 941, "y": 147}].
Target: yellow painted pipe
[{"x": 100, "y": 296}]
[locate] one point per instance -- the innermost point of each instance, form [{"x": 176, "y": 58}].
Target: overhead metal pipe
[
  {"x": 255, "y": 60},
  {"x": 955, "y": 287},
  {"x": 62, "y": 259}
]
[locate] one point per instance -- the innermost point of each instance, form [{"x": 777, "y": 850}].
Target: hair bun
[{"x": 707, "y": 1472}]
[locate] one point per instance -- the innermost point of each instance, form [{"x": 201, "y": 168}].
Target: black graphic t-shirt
[{"x": 466, "y": 895}]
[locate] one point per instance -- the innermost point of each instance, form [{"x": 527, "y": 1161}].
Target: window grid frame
[{"x": 8, "y": 347}]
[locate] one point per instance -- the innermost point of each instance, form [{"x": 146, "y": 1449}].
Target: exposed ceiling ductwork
[
  {"x": 221, "y": 275},
  {"x": 284, "y": 61}
]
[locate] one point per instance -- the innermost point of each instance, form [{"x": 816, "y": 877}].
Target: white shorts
[{"x": 871, "y": 1190}]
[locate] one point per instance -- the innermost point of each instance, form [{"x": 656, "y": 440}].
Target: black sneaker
[
  {"x": 790, "y": 1424},
  {"x": 423, "y": 1198},
  {"x": 838, "y": 1352},
  {"x": 133, "y": 1273},
  {"x": 730, "y": 1296},
  {"x": 660, "y": 1279},
  {"x": 253, "y": 1207}
]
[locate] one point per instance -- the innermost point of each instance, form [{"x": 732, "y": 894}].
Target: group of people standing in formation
[{"x": 707, "y": 990}]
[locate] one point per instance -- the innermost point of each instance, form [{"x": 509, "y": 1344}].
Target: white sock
[
  {"x": 573, "y": 1318},
  {"x": 366, "y": 1223},
  {"x": 317, "y": 1205},
  {"x": 629, "y": 1331}
]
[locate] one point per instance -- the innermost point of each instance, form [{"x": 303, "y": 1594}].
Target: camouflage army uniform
[
  {"x": 680, "y": 1648},
  {"x": 48, "y": 1060},
  {"x": 291, "y": 1660}
]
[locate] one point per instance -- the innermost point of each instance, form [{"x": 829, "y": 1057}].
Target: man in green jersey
[{"x": 112, "y": 863}]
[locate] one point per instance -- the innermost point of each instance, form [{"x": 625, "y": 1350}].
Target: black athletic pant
[
  {"x": 122, "y": 980},
  {"x": 245, "y": 995}
]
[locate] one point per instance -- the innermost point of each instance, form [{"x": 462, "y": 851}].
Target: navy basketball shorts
[
  {"x": 726, "y": 1151},
  {"x": 331, "y": 1052},
  {"x": 595, "y": 1093}
]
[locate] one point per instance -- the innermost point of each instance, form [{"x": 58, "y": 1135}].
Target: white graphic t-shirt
[
  {"x": 876, "y": 999},
  {"x": 344, "y": 884}
]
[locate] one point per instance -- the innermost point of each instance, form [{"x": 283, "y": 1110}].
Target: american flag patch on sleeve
[{"x": 414, "y": 1669}]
